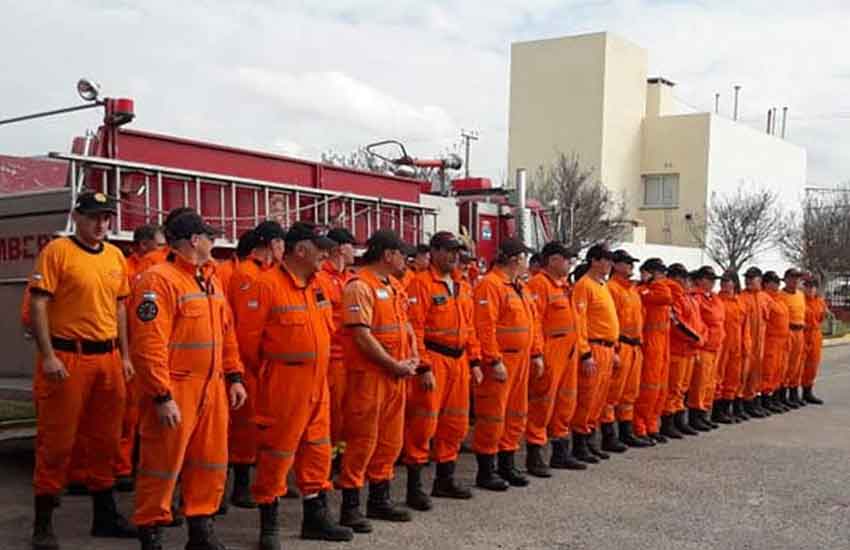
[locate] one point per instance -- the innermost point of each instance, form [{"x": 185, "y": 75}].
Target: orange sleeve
[
  {"x": 581, "y": 298},
  {"x": 657, "y": 294},
  {"x": 747, "y": 336},
  {"x": 357, "y": 304},
  {"x": 47, "y": 274},
  {"x": 540, "y": 297},
  {"x": 230, "y": 353},
  {"x": 124, "y": 291},
  {"x": 149, "y": 345},
  {"x": 253, "y": 313},
  {"x": 26, "y": 313},
  {"x": 537, "y": 327},
  {"x": 419, "y": 300},
  {"x": 486, "y": 312}
]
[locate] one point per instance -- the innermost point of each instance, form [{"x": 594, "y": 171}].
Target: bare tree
[
  {"x": 585, "y": 211},
  {"x": 738, "y": 226}
]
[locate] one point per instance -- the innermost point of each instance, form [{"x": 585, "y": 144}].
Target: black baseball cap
[
  {"x": 752, "y": 273},
  {"x": 677, "y": 270},
  {"x": 387, "y": 239},
  {"x": 445, "y": 240},
  {"x": 654, "y": 265},
  {"x": 622, "y": 256},
  {"x": 729, "y": 276},
  {"x": 771, "y": 277},
  {"x": 707, "y": 272},
  {"x": 247, "y": 242},
  {"x": 308, "y": 231},
  {"x": 556, "y": 248},
  {"x": 268, "y": 231},
  {"x": 599, "y": 252},
  {"x": 187, "y": 224},
  {"x": 95, "y": 203},
  {"x": 514, "y": 247},
  {"x": 341, "y": 235},
  {"x": 792, "y": 273}
]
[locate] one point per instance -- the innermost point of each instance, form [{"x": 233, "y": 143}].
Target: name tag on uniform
[
  {"x": 382, "y": 294},
  {"x": 440, "y": 299}
]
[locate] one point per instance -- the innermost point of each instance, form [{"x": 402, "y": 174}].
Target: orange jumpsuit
[
  {"x": 442, "y": 320},
  {"x": 506, "y": 327},
  {"x": 686, "y": 336},
  {"x": 777, "y": 342},
  {"x": 792, "y": 374},
  {"x": 552, "y": 397},
  {"x": 333, "y": 282},
  {"x": 286, "y": 341},
  {"x": 373, "y": 408},
  {"x": 599, "y": 331},
  {"x": 703, "y": 380},
  {"x": 84, "y": 286},
  {"x": 736, "y": 348},
  {"x": 815, "y": 314},
  {"x": 657, "y": 298},
  {"x": 757, "y": 307},
  {"x": 184, "y": 344},
  {"x": 224, "y": 270},
  {"x": 625, "y": 381}
]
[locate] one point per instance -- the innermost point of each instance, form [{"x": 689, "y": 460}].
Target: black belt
[
  {"x": 448, "y": 351},
  {"x": 629, "y": 340},
  {"x": 84, "y": 347},
  {"x": 599, "y": 342},
  {"x": 796, "y": 328}
]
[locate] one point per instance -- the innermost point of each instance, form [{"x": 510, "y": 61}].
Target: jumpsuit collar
[
  {"x": 560, "y": 282},
  {"x": 296, "y": 281},
  {"x": 622, "y": 281}
]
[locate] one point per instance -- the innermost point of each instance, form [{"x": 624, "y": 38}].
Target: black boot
[
  {"x": 534, "y": 462},
  {"x": 720, "y": 412},
  {"x": 270, "y": 526},
  {"x": 738, "y": 410},
  {"x": 416, "y": 497},
  {"x": 668, "y": 428},
  {"x": 561, "y": 458},
  {"x": 202, "y": 534},
  {"x": 581, "y": 450},
  {"x": 658, "y": 437},
  {"x": 241, "y": 496},
  {"x": 445, "y": 485},
  {"x": 610, "y": 441},
  {"x": 318, "y": 523},
  {"x": 706, "y": 417},
  {"x": 628, "y": 437},
  {"x": 106, "y": 521},
  {"x": 350, "y": 514},
  {"x": 508, "y": 470},
  {"x": 380, "y": 506},
  {"x": 682, "y": 425},
  {"x": 752, "y": 408},
  {"x": 125, "y": 484},
  {"x": 696, "y": 421},
  {"x": 776, "y": 399},
  {"x": 787, "y": 399},
  {"x": 150, "y": 537},
  {"x": 810, "y": 397},
  {"x": 794, "y": 396},
  {"x": 767, "y": 405},
  {"x": 596, "y": 451},
  {"x": 43, "y": 537},
  {"x": 487, "y": 478}
]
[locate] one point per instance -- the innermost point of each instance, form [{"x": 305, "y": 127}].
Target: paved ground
[{"x": 778, "y": 483}]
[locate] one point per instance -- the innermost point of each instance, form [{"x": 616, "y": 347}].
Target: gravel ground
[{"x": 782, "y": 482}]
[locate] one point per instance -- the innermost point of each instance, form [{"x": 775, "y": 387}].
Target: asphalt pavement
[{"x": 777, "y": 483}]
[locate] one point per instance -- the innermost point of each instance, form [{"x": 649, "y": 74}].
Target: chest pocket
[{"x": 193, "y": 308}]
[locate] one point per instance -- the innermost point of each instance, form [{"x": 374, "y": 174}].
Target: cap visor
[
  {"x": 99, "y": 210},
  {"x": 324, "y": 243},
  {"x": 212, "y": 231}
]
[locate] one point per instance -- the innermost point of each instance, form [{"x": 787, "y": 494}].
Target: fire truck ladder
[{"x": 233, "y": 203}]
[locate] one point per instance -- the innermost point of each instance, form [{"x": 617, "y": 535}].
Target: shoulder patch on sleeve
[
  {"x": 483, "y": 302},
  {"x": 354, "y": 308},
  {"x": 147, "y": 311}
]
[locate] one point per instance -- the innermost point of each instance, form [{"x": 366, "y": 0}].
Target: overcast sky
[{"x": 302, "y": 77}]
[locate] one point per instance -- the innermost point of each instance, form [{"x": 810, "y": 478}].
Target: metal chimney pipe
[
  {"x": 521, "y": 187},
  {"x": 784, "y": 120},
  {"x": 769, "y": 114},
  {"x": 717, "y": 104},
  {"x": 522, "y": 213},
  {"x": 775, "y": 120},
  {"x": 737, "y": 91}
]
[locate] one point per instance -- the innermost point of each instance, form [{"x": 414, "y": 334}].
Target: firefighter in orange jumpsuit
[
  {"x": 335, "y": 273},
  {"x": 777, "y": 344},
  {"x": 266, "y": 252},
  {"x": 625, "y": 381},
  {"x": 440, "y": 312},
  {"x": 792, "y": 376},
  {"x": 736, "y": 350},
  {"x": 552, "y": 397},
  {"x": 757, "y": 306},
  {"x": 703, "y": 379},
  {"x": 286, "y": 340},
  {"x": 510, "y": 340},
  {"x": 78, "y": 318},
  {"x": 185, "y": 347},
  {"x": 657, "y": 298},
  {"x": 816, "y": 310},
  {"x": 599, "y": 332},
  {"x": 380, "y": 354}
]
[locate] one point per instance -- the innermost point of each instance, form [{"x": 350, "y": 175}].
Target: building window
[{"x": 661, "y": 191}]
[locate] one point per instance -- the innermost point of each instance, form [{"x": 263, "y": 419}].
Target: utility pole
[{"x": 467, "y": 136}]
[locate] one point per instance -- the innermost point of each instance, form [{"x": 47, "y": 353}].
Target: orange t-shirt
[
  {"x": 596, "y": 312},
  {"x": 85, "y": 286},
  {"x": 796, "y": 302}
]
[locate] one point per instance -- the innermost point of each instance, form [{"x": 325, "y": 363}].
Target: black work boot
[
  {"x": 788, "y": 399},
  {"x": 561, "y": 458},
  {"x": 682, "y": 425},
  {"x": 43, "y": 537},
  {"x": 658, "y": 437},
  {"x": 752, "y": 408},
  {"x": 794, "y": 396},
  {"x": 590, "y": 440},
  {"x": 350, "y": 514},
  {"x": 508, "y": 470},
  {"x": 106, "y": 521},
  {"x": 202, "y": 534},
  {"x": 610, "y": 441},
  {"x": 706, "y": 417},
  {"x": 380, "y": 506},
  {"x": 668, "y": 428},
  {"x": 270, "y": 525},
  {"x": 317, "y": 523},
  {"x": 241, "y": 496},
  {"x": 738, "y": 410},
  {"x": 777, "y": 398},
  {"x": 810, "y": 397},
  {"x": 445, "y": 485},
  {"x": 628, "y": 437},
  {"x": 150, "y": 537},
  {"x": 416, "y": 497},
  {"x": 720, "y": 411},
  {"x": 487, "y": 478},
  {"x": 125, "y": 484},
  {"x": 581, "y": 451},
  {"x": 534, "y": 462},
  {"x": 697, "y": 422},
  {"x": 767, "y": 404}
]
